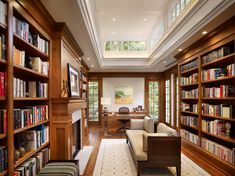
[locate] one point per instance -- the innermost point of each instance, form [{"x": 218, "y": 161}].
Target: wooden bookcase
[
  {"x": 11, "y": 100},
  {"x": 206, "y": 73}
]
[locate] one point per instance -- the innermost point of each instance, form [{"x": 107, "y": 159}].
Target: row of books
[
  {"x": 33, "y": 165},
  {"x": 222, "y": 110},
  {"x": 219, "y": 91},
  {"x": 189, "y": 107},
  {"x": 35, "y": 63},
  {"x": 220, "y": 151},
  {"x": 30, "y": 116},
  {"x": 213, "y": 73},
  {"x": 216, "y": 127},
  {"x": 33, "y": 139},
  {"x": 216, "y": 54},
  {"x": 189, "y": 136},
  {"x": 29, "y": 89},
  {"x": 3, "y": 158},
  {"x": 3, "y": 48},
  {"x": 231, "y": 70},
  {"x": 3, "y": 13},
  {"x": 2, "y": 84},
  {"x": 3, "y": 121},
  {"x": 21, "y": 28},
  {"x": 189, "y": 80},
  {"x": 189, "y": 121},
  {"x": 189, "y": 65},
  {"x": 189, "y": 93},
  {"x": 84, "y": 78}
]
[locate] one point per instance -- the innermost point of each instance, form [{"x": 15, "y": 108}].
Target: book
[
  {"x": 36, "y": 64},
  {"x": 32, "y": 89}
]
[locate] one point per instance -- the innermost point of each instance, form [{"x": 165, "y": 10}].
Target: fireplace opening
[{"x": 76, "y": 145}]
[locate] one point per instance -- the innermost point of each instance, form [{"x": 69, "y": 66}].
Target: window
[
  {"x": 153, "y": 99},
  {"x": 93, "y": 89},
  {"x": 156, "y": 36},
  {"x": 124, "y": 46},
  {"x": 167, "y": 101}
]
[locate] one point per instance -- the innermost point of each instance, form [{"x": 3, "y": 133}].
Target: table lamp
[{"x": 105, "y": 101}]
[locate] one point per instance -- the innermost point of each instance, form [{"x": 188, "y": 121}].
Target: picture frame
[{"x": 73, "y": 81}]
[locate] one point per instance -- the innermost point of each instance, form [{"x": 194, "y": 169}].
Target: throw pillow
[
  {"x": 145, "y": 139},
  {"x": 148, "y": 124},
  {"x": 163, "y": 128},
  {"x": 136, "y": 124}
]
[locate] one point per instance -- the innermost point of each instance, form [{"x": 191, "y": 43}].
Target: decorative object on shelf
[
  {"x": 105, "y": 101},
  {"x": 22, "y": 151},
  {"x": 17, "y": 155},
  {"x": 228, "y": 127},
  {"x": 65, "y": 89},
  {"x": 73, "y": 81}
]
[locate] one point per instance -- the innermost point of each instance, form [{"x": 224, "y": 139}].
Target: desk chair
[{"x": 123, "y": 110}]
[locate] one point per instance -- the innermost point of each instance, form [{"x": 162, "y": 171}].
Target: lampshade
[{"x": 105, "y": 100}]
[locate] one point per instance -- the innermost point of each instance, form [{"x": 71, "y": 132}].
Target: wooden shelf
[
  {"x": 219, "y": 79},
  {"x": 218, "y": 61},
  {"x": 30, "y": 99},
  {"x": 219, "y": 117},
  {"x": 188, "y": 85},
  {"x": 3, "y": 173},
  {"x": 30, "y": 48},
  {"x": 231, "y": 140},
  {"x": 29, "y": 154},
  {"x": 189, "y": 98},
  {"x": 3, "y": 26},
  {"x": 195, "y": 128},
  {"x": 192, "y": 70},
  {"x": 189, "y": 112},
  {"x": 2, "y": 61},
  {"x": 2, "y": 98},
  {"x": 2, "y": 136},
  {"x": 29, "y": 127},
  {"x": 26, "y": 72}
]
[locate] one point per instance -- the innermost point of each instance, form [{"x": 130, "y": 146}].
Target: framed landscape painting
[{"x": 123, "y": 95}]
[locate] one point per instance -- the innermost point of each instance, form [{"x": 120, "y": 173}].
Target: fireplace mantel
[{"x": 61, "y": 126}]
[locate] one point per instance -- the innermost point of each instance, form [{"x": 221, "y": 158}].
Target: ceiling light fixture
[
  {"x": 180, "y": 49},
  {"x": 204, "y": 32},
  {"x": 145, "y": 19},
  {"x": 114, "y": 19},
  {"x": 164, "y": 62},
  {"x": 88, "y": 59},
  {"x": 92, "y": 65},
  {"x": 138, "y": 32}
]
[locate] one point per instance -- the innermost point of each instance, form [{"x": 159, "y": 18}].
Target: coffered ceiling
[{"x": 92, "y": 22}]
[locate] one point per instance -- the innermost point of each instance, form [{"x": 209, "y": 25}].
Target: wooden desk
[{"x": 114, "y": 123}]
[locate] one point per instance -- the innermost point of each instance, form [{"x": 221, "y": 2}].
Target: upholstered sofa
[{"x": 149, "y": 149}]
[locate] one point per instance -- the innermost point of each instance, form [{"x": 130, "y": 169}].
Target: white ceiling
[
  {"x": 91, "y": 23},
  {"x": 135, "y": 19}
]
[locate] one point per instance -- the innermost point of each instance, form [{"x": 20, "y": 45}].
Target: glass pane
[{"x": 93, "y": 101}]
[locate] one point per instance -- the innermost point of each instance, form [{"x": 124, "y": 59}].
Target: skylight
[{"x": 125, "y": 46}]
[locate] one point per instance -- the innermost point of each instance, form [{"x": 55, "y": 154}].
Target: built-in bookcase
[
  {"x": 24, "y": 90},
  {"x": 207, "y": 99}
]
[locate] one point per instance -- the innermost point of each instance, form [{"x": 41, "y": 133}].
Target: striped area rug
[{"x": 114, "y": 159}]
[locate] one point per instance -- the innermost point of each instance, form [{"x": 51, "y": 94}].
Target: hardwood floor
[{"x": 96, "y": 134}]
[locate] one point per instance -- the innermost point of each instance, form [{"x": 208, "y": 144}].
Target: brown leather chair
[{"x": 123, "y": 110}]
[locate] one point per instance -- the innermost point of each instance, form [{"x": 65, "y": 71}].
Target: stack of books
[
  {"x": 189, "y": 121},
  {"x": 189, "y": 136},
  {"x": 2, "y": 84},
  {"x": 220, "y": 91},
  {"x": 189, "y": 65},
  {"x": 221, "y": 110},
  {"x": 216, "y": 127},
  {"x": 189, "y": 80},
  {"x": 216, "y": 54},
  {"x": 3, "y": 158},
  {"x": 189, "y": 93}
]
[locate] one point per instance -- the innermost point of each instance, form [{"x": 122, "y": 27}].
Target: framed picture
[
  {"x": 73, "y": 81},
  {"x": 123, "y": 95}
]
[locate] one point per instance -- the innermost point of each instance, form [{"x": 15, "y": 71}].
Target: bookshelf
[
  {"x": 27, "y": 108},
  {"x": 207, "y": 78}
]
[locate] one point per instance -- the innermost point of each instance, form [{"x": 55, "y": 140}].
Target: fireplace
[{"x": 76, "y": 132}]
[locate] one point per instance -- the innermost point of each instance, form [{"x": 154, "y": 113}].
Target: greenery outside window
[
  {"x": 167, "y": 101},
  {"x": 93, "y": 99},
  {"x": 125, "y": 46},
  {"x": 153, "y": 99}
]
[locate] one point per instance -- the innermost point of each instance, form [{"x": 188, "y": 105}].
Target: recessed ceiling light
[
  {"x": 88, "y": 59},
  {"x": 138, "y": 32},
  {"x": 145, "y": 19},
  {"x": 114, "y": 19},
  {"x": 113, "y": 33},
  {"x": 164, "y": 62},
  {"x": 204, "y": 32},
  {"x": 180, "y": 49},
  {"x": 92, "y": 65}
]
